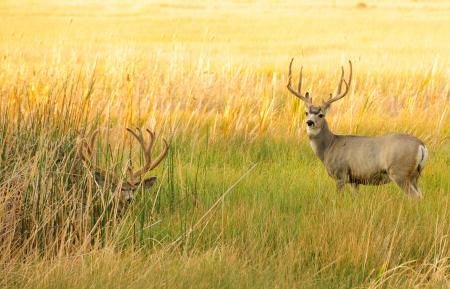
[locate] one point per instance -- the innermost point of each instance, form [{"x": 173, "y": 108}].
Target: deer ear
[
  {"x": 308, "y": 103},
  {"x": 148, "y": 183},
  {"x": 308, "y": 97}
]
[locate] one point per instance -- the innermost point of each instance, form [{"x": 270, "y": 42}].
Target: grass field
[{"x": 242, "y": 201}]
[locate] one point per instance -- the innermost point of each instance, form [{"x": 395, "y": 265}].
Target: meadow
[{"x": 241, "y": 199}]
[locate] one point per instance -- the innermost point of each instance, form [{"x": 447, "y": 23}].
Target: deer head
[
  {"x": 315, "y": 114},
  {"x": 134, "y": 179}
]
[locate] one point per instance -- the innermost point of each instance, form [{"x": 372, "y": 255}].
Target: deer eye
[
  {"x": 321, "y": 115},
  {"x": 306, "y": 113}
]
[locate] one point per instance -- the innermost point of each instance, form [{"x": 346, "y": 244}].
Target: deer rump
[{"x": 372, "y": 160}]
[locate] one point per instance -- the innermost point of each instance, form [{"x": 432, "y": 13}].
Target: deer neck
[{"x": 321, "y": 142}]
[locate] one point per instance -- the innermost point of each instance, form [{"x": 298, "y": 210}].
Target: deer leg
[
  {"x": 416, "y": 188},
  {"x": 406, "y": 185},
  {"x": 340, "y": 185},
  {"x": 355, "y": 188}
]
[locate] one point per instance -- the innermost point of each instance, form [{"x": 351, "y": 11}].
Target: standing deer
[
  {"x": 133, "y": 181},
  {"x": 361, "y": 159}
]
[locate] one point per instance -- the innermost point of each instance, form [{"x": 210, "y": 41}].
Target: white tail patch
[{"x": 422, "y": 156}]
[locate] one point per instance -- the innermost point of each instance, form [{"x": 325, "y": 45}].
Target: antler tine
[
  {"x": 300, "y": 80},
  {"x": 85, "y": 148},
  {"x": 289, "y": 86},
  {"x": 90, "y": 146},
  {"x": 149, "y": 165},
  {"x": 341, "y": 80},
  {"x": 340, "y": 94},
  {"x": 290, "y": 73},
  {"x": 297, "y": 93},
  {"x": 161, "y": 156},
  {"x": 138, "y": 136},
  {"x": 151, "y": 135},
  {"x": 82, "y": 147},
  {"x": 86, "y": 151}
]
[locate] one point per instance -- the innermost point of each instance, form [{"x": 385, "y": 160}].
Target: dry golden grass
[
  {"x": 211, "y": 76},
  {"x": 232, "y": 59}
]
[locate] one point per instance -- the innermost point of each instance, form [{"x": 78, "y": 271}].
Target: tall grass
[
  {"x": 241, "y": 200},
  {"x": 281, "y": 220}
]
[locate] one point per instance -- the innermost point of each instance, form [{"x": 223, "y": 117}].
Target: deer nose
[{"x": 309, "y": 122}]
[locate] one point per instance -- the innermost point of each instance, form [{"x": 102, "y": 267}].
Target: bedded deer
[
  {"x": 359, "y": 160},
  {"x": 133, "y": 180}
]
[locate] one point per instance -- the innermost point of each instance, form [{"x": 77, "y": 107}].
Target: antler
[
  {"x": 339, "y": 94},
  {"x": 86, "y": 149},
  {"x": 297, "y": 93},
  {"x": 147, "y": 148}
]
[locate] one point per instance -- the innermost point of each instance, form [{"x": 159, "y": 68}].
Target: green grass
[
  {"x": 282, "y": 225},
  {"x": 241, "y": 202},
  {"x": 238, "y": 203},
  {"x": 244, "y": 207}
]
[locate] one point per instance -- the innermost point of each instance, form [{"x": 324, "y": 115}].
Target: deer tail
[{"x": 422, "y": 156}]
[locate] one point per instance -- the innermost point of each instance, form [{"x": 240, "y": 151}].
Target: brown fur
[
  {"x": 366, "y": 160},
  {"x": 361, "y": 159}
]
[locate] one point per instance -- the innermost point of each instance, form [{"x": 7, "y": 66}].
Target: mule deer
[
  {"x": 361, "y": 159},
  {"x": 133, "y": 180}
]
